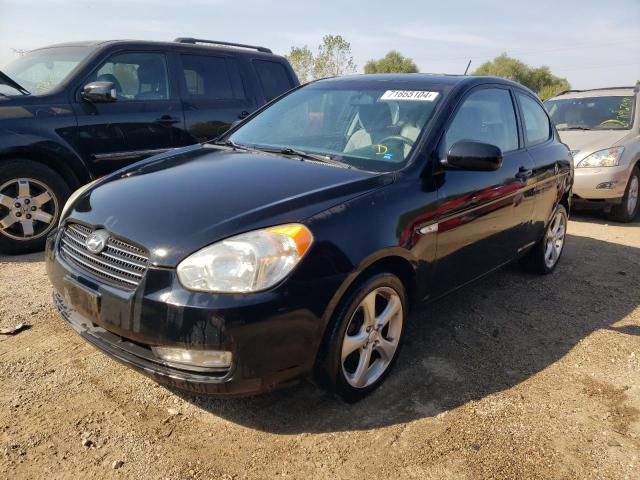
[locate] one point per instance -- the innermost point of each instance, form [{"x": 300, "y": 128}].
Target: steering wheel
[
  {"x": 397, "y": 138},
  {"x": 614, "y": 121}
]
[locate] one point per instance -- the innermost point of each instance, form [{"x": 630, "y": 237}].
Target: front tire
[
  {"x": 365, "y": 338},
  {"x": 31, "y": 199},
  {"x": 545, "y": 255},
  {"x": 628, "y": 208}
]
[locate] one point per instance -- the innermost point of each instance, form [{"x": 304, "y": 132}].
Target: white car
[{"x": 602, "y": 129}]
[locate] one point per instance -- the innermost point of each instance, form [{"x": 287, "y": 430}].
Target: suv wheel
[
  {"x": 628, "y": 208},
  {"x": 31, "y": 198},
  {"x": 365, "y": 338}
]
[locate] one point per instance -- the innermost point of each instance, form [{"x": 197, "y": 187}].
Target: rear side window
[
  {"x": 536, "y": 122},
  {"x": 274, "y": 78},
  {"x": 485, "y": 116},
  {"x": 212, "y": 78}
]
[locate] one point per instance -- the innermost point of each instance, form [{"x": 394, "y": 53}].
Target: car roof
[
  {"x": 170, "y": 44},
  {"x": 422, "y": 80},
  {"x": 598, "y": 92},
  {"x": 72, "y": 44}
]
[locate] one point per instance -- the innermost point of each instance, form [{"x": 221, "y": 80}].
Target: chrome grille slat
[
  {"x": 94, "y": 259},
  {"x": 78, "y": 230},
  {"x": 127, "y": 247},
  {"x": 94, "y": 269},
  {"x": 120, "y": 263},
  {"x": 138, "y": 254},
  {"x": 129, "y": 254},
  {"x": 128, "y": 263}
]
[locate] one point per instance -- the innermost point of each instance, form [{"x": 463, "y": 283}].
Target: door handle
[
  {"x": 524, "y": 173},
  {"x": 243, "y": 114},
  {"x": 167, "y": 119}
]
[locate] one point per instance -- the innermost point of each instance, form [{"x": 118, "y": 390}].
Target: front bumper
[
  {"x": 604, "y": 183},
  {"x": 274, "y": 336}
]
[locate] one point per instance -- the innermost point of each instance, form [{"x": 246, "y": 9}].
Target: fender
[
  {"x": 379, "y": 244},
  {"x": 54, "y": 152},
  {"x": 390, "y": 254}
]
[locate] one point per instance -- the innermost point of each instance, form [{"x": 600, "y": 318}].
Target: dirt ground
[{"x": 518, "y": 376}]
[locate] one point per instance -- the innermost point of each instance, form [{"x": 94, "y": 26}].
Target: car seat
[
  {"x": 152, "y": 73},
  {"x": 376, "y": 121}
]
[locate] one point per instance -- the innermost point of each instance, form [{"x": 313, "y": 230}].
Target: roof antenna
[{"x": 467, "y": 69}]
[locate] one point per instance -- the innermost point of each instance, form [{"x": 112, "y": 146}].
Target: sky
[{"x": 591, "y": 43}]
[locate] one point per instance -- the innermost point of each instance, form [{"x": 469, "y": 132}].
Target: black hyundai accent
[{"x": 295, "y": 244}]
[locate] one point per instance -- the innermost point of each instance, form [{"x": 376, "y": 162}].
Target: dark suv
[{"x": 73, "y": 112}]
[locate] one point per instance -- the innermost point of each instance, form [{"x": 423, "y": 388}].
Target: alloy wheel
[
  {"x": 28, "y": 209},
  {"x": 632, "y": 197},
  {"x": 372, "y": 337},
  {"x": 554, "y": 239}
]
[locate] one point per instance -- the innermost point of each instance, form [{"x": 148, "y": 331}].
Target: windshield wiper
[
  {"x": 7, "y": 80},
  {"x": 229, "y": 143},
  {"x": 575, "y": 128},
  {"x": 310, "y": 156},
  {"x": 284, "y": 151}
]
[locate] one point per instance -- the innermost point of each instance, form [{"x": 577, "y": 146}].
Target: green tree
[
  {"x": 334, "y": 58},
  {"x": 302, "y": 61},
  {"x": 392, "y": 62},
  {"x": 539, "y": 79}
]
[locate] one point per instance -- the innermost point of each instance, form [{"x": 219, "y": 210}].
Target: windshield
[
  {"x": 592, "y": 113},
  {"x": 40, "y": 71},
  {"x": 371, "y": 129}
]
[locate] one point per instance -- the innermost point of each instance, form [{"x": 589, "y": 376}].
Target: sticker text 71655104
[{"x": 412, "y": 95}]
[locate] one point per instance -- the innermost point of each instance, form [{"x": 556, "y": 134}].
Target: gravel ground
[{"x": 518, "y": 376}]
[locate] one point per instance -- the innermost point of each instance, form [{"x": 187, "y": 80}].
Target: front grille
[{"x": 120, "y": 263}]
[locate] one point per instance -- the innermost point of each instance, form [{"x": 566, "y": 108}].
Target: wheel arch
[
  {"x": 397, "y": 261},
  {"x": 565, "y": 201},
  {"x": 66, "y": 164}
]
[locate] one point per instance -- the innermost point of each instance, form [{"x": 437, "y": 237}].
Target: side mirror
[
  {"x": 475, "y": 156},
  {"x": 99, "y": 92}
]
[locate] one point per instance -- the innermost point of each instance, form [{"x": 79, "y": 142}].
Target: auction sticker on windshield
[{"x": 414, "y": 95}]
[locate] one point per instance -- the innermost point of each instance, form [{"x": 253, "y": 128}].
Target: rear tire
[
  {"x": 31, "y": 199},
  {"x": 627, "y": 210},
  {"x": 545, "y": 255},
  {"x": 364, "y": 338}
]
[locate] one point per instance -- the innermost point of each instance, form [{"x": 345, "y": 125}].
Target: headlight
[
  {"x": 603, "y": 158},
  {"x": 74, "y": 196},
  {"x": 249, "y": 262}
]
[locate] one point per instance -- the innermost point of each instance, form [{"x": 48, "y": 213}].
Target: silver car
[{"x": 601, "y": 127}]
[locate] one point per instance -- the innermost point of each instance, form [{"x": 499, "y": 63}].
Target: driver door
[
  {"x": 145, "y": 119},
  {"x": 485, "y": 217}
]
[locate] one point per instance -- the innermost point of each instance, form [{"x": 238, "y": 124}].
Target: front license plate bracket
[{"x": 81, "y": 298}]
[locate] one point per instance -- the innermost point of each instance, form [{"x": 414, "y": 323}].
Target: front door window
[{"x": 136, "y": 76}]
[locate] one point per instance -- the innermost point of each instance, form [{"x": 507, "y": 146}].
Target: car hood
[
  {"x": 173, "y": 205},
  {"x": 584, "y": 142}
]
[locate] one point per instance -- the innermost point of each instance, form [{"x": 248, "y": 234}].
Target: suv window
[
  {"x": 136, "y": 76},
  {"x": 536, "y": 122},
  {"x": 212, "y": 78},
  {"x": 40, "y": 71},
  {"x": 273, "y": 78},
  {"x": 486, "y": 116},
  {"x": 611, "y": 112}
]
